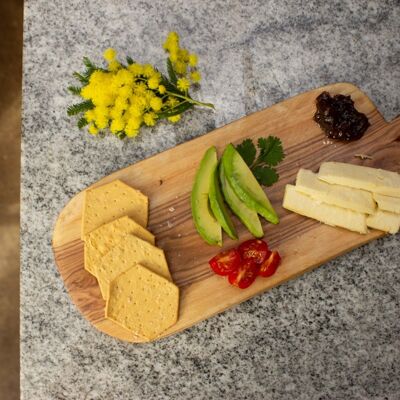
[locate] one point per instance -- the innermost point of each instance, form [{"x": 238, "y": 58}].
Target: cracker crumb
[
  {"x": 170, "y": 224},
  {"x": 363, "y": 156},
  {"x": 171, "y": 209}
]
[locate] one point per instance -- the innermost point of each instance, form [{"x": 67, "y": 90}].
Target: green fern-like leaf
[
  {"x": 80, "y": 107},
  {"x": 171, "y": 72},
  {"x": 184, "y": 106},
  {"x": 80, "y": 78},
  {"x": 75, "y": 90},
  {"x": 82, "y": 122}
]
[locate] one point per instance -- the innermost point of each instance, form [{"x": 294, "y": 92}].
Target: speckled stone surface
[{"x": 331, "y": 334}]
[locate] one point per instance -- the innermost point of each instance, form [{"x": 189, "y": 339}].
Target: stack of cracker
[{"x": 132, "y": 273}]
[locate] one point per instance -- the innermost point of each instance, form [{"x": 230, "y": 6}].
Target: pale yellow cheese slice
[
  {"x": 143, "y": 302},
  {"x": 303, "y": 204},
  {"x": 387, "y": 203},
  {"x": 307, "y": 182},
  {"x": 100, "y": 241},
  {"x": 111, "y": 201},
  {"x": 384, "y": 221},
  {"x": 129, "y": 251},
  {"x": 371, "y": 179}
]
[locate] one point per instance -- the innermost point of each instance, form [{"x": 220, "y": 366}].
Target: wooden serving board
[{"x": 167, "y": 179}]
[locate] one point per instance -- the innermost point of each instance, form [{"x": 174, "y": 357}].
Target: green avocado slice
[
  {"x": 245, "y": 185},
  {"x": 206, "y": 224},
  {"x": 248, "y": 217},
  {"x": 219, "y": 208}
]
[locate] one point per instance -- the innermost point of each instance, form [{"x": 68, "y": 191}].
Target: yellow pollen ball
[
  {"x": 183, "y": 84},
  {"x": 193, "y": 60},
  {"x": 110, "y": 54},
  {"x": 174, "y": 119},
  {"x": 156, "y": 103}
]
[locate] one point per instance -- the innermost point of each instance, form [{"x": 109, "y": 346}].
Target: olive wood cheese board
[{"x": 167, "y": 179}]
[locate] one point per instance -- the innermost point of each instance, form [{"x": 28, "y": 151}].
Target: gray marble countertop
[{"x": 331, "y": 334}]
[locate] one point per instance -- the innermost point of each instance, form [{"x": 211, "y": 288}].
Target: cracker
[
  {"x": 129, "y": 251},
  {"x": 106, "y": 203},
  {"x": 143, "y": 302},
  {"x": 100, "y": 241}
]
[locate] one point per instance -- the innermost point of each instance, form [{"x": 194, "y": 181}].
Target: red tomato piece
[
  {"x": 225, "y": 262},
  {"x": 245, "y": 275},
  {"x": 270, "y": 265},
  {"x": 254, "y": 249}
]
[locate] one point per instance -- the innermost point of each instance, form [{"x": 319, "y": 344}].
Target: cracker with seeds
[
  {"x": 106, "y": 203},
  {"x": 143, "y": 302},
  {"x": 100, "y": 241},
  {"x": 129, "y": 251}
]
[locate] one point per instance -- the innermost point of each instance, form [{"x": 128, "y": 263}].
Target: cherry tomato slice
[
  {"x": 225, "y": 262},
  {"x": 254, "y": 249},
  {"x": 270, "y": 265},
  {"x": 245, "y": 275}
]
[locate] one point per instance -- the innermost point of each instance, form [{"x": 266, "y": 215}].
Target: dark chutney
[{"x": 338, "y": 118}]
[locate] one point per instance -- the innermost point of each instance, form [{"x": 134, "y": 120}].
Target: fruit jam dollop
[{"x": 338, "y": 118}]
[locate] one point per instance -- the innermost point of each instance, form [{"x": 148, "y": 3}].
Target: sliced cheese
[
  {"x": 129, "y": 251},
  {"x": 111, "y": 201},
  {"x": 100, "y": 241},
  {"x": 143, "y": 302},
  {"x": 384, "y": 221},
  {"x": 303, "y": 204},
  {"x": 387, "y": 203},
  {"x": 371, "y": 179},
  {"x": 307, "y": 182}
]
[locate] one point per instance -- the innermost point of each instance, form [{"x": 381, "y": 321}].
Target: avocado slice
[
  {"x": 245, "y": 185},
  {"x": 219, "y": 208},
  {"x": 204, "y": 221},
  {"x": 248, "y": 217}
]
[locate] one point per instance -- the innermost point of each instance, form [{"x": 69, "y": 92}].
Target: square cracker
[
  {"x": 143, "y": 302},
  {"x": 100, "y": 241},
  {"x": 129, "y": 251},
  {"x": 111, "y": 201}
]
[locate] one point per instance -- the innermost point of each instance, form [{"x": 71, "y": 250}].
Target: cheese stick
[
  {"x": 387, "y": 203},
  {"x": 384, "y": 221},
  {"x": 329, "y": 214},
  {"x": 371, "y": 179},
  {"x": 307, "y": 182}
]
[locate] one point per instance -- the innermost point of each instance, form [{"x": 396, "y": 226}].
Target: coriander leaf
[
  {"x": 247, "y": 150},
  {"x": 271, "y": 151},
  {"x": 265, "y": 175}
]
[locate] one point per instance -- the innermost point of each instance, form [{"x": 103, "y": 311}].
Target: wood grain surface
[{"x": 167, "y": 179}]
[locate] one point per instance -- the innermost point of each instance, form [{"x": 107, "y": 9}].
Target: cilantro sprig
[{"x": 262, "y": 162}]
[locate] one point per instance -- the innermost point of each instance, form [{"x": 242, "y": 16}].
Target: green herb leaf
[
  {"x": 248, "y": 151},
  {"x": 266, "y": 176},
  {"x": 171, "y": 72},
  {"x": 80, "y": 107},
  {"x": 270, "y": 154},
  {"x": 271, "y": 151},
  {"x": 129, "y": 60}
]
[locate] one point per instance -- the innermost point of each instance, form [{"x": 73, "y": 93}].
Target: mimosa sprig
[{"x": 123, "y": 97}]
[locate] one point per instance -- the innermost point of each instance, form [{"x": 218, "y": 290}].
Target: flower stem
[{"x": 189, "y": 100}]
